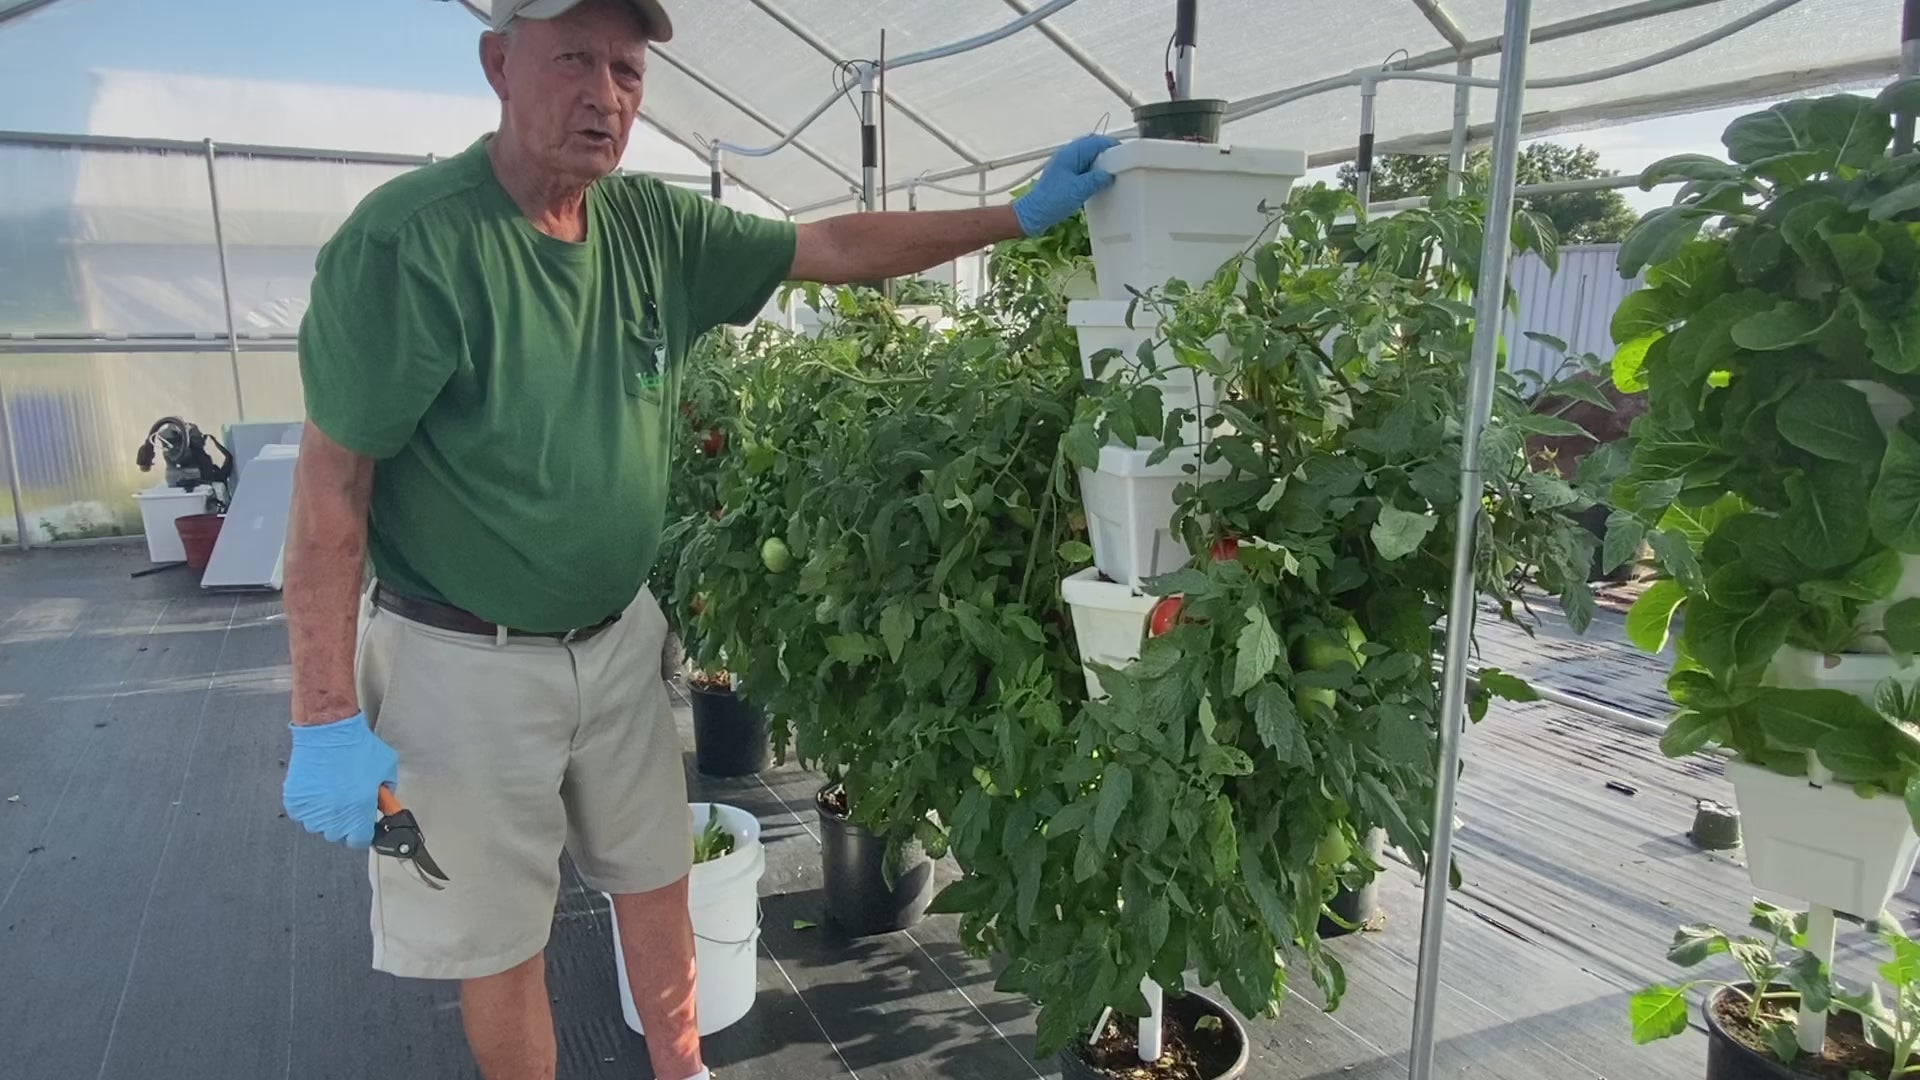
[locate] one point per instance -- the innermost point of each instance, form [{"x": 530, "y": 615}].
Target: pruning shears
[{"x": 398, "y": 834}]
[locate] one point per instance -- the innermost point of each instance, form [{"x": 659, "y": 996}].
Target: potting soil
[
  {"x": 1847, "y": 1048},
  {"x": 1186, "y": 1054}
]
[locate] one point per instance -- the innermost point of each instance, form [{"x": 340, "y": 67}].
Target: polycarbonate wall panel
[
  {"x": 77, "y": 421},
  {"x": 106, "y": 240},
  {"x": 276, "y": 215}
]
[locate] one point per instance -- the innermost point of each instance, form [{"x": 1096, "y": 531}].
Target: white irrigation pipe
[{"x": 867, "y": 68}]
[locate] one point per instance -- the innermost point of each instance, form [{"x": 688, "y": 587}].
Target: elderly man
[{"x": 491, "y": 362}]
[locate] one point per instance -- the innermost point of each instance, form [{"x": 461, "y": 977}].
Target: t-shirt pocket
[{"x": 643, "y": 360}]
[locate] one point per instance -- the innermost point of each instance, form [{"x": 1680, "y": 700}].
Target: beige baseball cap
[{"x": 652, "y": 13}]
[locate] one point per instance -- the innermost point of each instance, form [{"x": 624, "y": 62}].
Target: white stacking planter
[
  {"x": 1180, "y": 210},
  {"x": 1102, "y": 325},
  {"x": 1818, "y": 840},
  {"x": 1130, "y": 504},
  {"x": 1109, "y": 622},
  {"x": 1823, "y": 843},
  {"x": 723, "y": 897}
]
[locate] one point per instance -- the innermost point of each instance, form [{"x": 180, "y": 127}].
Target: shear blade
[{"x": 428, "y": 870}]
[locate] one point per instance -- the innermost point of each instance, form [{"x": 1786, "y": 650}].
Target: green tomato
[
  {"x": 1321, "y": 651},
  {"x": 1356, "y": 637},
  {"x": 776, "y": 556},
  {"x": 1320, "y": 695},
  {"x": 1333, "y": 849}
]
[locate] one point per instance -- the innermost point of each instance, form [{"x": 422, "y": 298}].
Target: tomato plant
[{"x": 1217, "y": 799}]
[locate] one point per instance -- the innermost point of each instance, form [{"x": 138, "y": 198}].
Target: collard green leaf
[
  {"x": 1651, "y": 615},
  {"x": 1687, "y": 167},
  {"x": 1894, "y": 507},
  {"x": 1658, "y": 1012},
  {"x": 1858, "y": 755},
  {"x": 1787, "y": 324},
  {"x": 1798, "y": 720},
  {"x": 1658, "y": 237},
  {"x": 1831, "y": 420},
  {"x": 1399, "y": 533},
  {"x": 1902, "y": 626},
  {"x": 1257, "y": 650},
  {"x": 1894, "y": 340},
  {"x": 1893, "y": 204},
  {"x": 1630, "y": 360},
  {"x": 1825, "y": 524},
  {"x": 1870, "y": 579},
  {"x": 1687, "y": 732}
]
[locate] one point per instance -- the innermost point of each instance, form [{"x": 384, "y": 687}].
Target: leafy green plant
[
  {"x": 1774, "y": 988},
  {"x": 714, "y": 840},
  {"x": 1778, "y": 986},
  {"x": 1215, "y": 801},
  {"x": 1773, "y": 353}
]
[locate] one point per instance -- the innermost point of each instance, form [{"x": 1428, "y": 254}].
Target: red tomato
[
  {"x": 1226, "y": 549},
  {"x": 1165, "y": 614},
  {"x": 715, "y": 442}
]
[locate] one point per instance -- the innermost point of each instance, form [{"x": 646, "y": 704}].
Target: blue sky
[{"x": 45, "y": 58}]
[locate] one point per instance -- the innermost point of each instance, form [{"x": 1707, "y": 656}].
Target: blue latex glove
[
  {"x": 334, "y": 776},
  {"x": 1068, "y": 181}
]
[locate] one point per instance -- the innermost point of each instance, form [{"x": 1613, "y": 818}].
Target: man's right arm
[{"x": 326, "y": 567}]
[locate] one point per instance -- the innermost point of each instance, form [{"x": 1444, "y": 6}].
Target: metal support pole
[
  {"x": 1909, "y": 67},
  {"x": 713, "y": 170},
  {"x": 1488, "y": 297},
  {"x": 986, "y": 253},
  {"x": 226, "y": 282},
  {"x": 1363, "y": 161},
  {"x": 1186, "y": 30},
  {"x": 13, "y": 472},
  {"x": 869, "y": 138},
  {"x": 1462, "y": 114}
]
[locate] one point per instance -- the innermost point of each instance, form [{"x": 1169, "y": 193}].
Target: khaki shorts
[{"x": 509, "y": 752}]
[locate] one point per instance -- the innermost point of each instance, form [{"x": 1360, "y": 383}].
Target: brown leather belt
[{"x": 447, "y": 617}]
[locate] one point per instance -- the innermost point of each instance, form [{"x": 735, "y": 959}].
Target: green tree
[{"x": 1584, "y": 217}]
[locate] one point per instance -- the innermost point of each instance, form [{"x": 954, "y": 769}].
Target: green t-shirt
[{"x": 516, "y": 389}]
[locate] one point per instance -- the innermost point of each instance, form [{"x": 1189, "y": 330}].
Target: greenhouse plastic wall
[{"x": 122, "y": 241}]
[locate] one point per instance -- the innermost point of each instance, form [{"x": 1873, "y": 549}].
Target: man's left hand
[{"x": 1067, "y": 182}]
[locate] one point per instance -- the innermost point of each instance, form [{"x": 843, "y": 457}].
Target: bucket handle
[{"x": 759, "y": 919}]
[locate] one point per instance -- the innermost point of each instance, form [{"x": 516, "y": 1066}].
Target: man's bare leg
[
  {"x": 656, "y": 934},
  {"x": 509, "y": 1026}
]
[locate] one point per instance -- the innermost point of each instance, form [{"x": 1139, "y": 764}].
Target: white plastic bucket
[
  {"x": 160, "y": 507},
  {"x": 1109, "y": 622},
  {"x": 723, "y": 897},
  {"x": 1102, "y": 325},
  {"x": 1180, "y": 210}
]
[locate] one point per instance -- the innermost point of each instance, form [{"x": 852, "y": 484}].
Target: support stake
[
  {"x": 226, "y": 283},
  {"x": 1363, "y": 161},
  {"x": 1152, "y": 1025},
  {"x": 714, "y": 182},
  {"x": 869, "y": 138},
  {"x": 1811, "y": 1028},
  {"x": 1909, "y": 67},
  {"x": 13, "y": 472},
  {"x": 1488, "y": 309},
  {"x": 1462, "y": 113},
  {"x": 1186, "y": 35}
]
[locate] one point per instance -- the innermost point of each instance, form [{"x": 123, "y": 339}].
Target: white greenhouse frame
[{"x": 1506, "y": 131}]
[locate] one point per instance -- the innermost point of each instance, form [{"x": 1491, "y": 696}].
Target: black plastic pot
[
  {"x": 858, "y": 900},
  {"x": 1728, "y": 1059},
  {"x": 1192, "y": 120},
  {"x": 729, "y": 735},
  {"x": 1185, "y": 1010},
  {"x": 1357, "y": 907}
]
